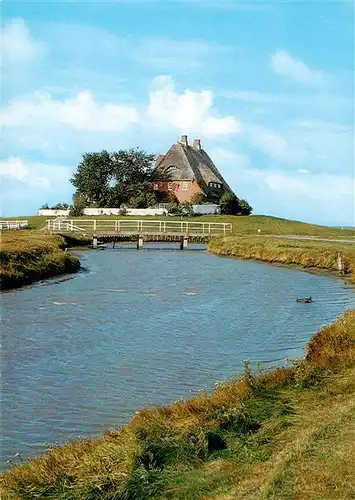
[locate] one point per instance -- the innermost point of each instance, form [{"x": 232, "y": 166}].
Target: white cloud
[
  {"x": 312, "y": 100},
  {"x": 313, "y": 197},
  {"x": 316, "y": 187},
  {"x": 34, "y": 175},
  {"x": 18, "y": 45},
  {"x": 284, "y": 64},
  {"x": 189, "y": 112},
  {"x": 297, "y": 194},
  {"x": 253, "y": 96},
  {"x": 81, "y": 113},
  {"x": 269, "y": 142},
  {"x": 312, "y": 145}
]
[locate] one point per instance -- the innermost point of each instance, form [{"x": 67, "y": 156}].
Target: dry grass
[
  {"x": 285, "y": 434},
  {"x": 304, "y": 253},
  {"x": 27, "y": 256},
  {"x": 334, "y": 344}
]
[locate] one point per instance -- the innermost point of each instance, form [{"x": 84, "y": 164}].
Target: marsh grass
[
  {"x": 27, "y": 256},
  {"x": 282, "y": 434},
  {"x": 304, "y": 253}
]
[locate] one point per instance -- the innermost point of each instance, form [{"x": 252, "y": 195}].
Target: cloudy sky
[{"x": 268, "y": 87}]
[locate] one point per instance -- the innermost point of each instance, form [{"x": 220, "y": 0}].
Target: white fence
[
  {"x": 131, "y": 227},
  {"x": 8, "y": 225},
  {"x": 129, "y": 211},
  {"x": 138, "y": 212},
  {"x": 206, "y": 209},
  {"x": 47, "y": 212}
]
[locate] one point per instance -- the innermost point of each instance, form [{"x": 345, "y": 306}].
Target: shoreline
[
  {"x": 329, "y": 273},
  {"x": 315, "y": 258},
  {"x": 253, "y": 415},
  {"x": 30, "y": 257},
  {"x": 71, "y": 264}
]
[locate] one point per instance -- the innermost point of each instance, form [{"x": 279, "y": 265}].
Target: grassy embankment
[
  {"x": 304, "y": 253},
  {"x": 28, "y": 256},
  {"x": 242, "y": 226},
  {"x": 284, "y": 434}
]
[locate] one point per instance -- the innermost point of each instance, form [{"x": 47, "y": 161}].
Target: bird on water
[{"x": 306, "y": 300}]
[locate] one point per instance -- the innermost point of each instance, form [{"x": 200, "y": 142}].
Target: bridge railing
[
  {"x": 129, "y": 226},
  {"x": 8, "y": 225}
]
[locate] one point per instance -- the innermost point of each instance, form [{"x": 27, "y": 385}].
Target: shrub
[
  {"x": 183, "y": 209},
  {"x": 77, "y": 209},
  {"x": 199, "y": 199},
  {"x": 229, "y": 204},
  {"x": 246, "y": 209}
]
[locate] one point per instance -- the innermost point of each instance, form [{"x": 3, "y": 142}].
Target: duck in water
[{"x": 307, "y": 300}]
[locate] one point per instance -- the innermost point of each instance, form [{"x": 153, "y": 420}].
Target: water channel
[{"x": 141, "y": 328}]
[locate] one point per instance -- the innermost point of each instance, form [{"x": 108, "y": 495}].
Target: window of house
[
  {"x": 184, "y": 186},
  {"x": 156, "y": 187},
  {"x": 170, "y": 186}
]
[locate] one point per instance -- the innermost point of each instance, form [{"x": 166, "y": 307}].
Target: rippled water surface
[{"x": 145, "y": 328}]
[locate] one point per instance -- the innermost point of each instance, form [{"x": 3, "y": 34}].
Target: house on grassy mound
[{"x": 187, "y": 171}]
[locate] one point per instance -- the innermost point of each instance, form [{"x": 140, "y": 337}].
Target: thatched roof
[{"x": 185, "y": 162}]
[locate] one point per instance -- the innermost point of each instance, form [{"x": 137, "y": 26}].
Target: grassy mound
[
  {"x": 27, "y": 256},
  {"x": 288, "y": 433},
  {"x": 305, "y": 253}
]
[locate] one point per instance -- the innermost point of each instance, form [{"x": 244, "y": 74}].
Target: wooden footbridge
[{"x": 105, "y": 230}]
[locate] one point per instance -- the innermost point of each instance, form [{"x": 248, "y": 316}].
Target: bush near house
[
  {"x": 58, "y": 206},
  {"x": 77, "y": 209},
  {"x": 181, "y": 209}
]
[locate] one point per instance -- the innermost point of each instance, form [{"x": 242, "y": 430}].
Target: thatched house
[{"x": 189, "y": 171}]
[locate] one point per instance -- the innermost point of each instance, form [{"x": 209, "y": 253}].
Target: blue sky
[{"x": 268, "y": 87}]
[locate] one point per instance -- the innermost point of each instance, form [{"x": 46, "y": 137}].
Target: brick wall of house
[{"x": 183, "y": 190}]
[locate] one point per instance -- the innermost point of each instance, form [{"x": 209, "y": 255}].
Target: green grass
[
  {"x": 284, "y": 434},
  {"x": 241, "y": 225},
  {"x": 27, "y": 256}
]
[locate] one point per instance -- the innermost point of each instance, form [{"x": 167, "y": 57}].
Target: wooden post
[
  {"x": 140, "y": 242},
  {"x": 183, "y": 243},
  {"x": 95, "y": 225},
  {"x": 94, "y": 241},
  {"x": 71, "y": 225},
  {"x": 340, "y": 263}
]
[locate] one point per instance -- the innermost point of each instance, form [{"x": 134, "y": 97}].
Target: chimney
[
  {"x": 197, "y": 144},
  {"x": 183, "y": 140}
]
